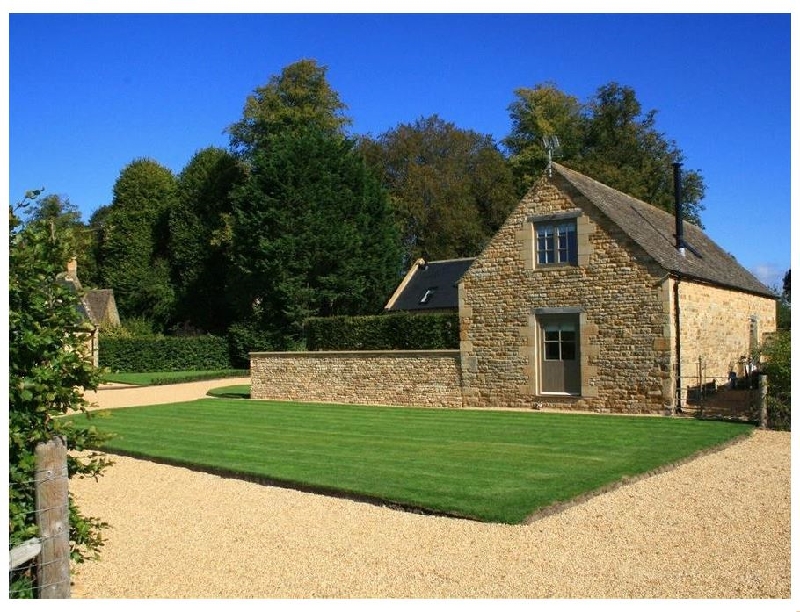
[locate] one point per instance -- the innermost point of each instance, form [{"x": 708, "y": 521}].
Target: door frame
[{"x": 571, "y": 374}]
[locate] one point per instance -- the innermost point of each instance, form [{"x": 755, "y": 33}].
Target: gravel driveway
[
  {"x": 715, "y": 527},
  {"x": 120, "y": 396}
]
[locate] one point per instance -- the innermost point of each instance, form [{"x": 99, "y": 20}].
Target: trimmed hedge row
[
  {"x": 410, "y": 331},
  {"x": 383, "y": 332},
  {"x": 200, "y": 377},
  {"x": 164, "y": 354}
]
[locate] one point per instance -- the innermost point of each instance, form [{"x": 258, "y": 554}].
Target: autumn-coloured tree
[
  {"x": 451, "y": 188},
  {"x": 609, "y": 137}
]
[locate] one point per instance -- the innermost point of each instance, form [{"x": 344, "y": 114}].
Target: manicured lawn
[
  {"x": 491, "y": 466},
  {"x": 231, "y": 391},
  {"x": 167, "y": 378}
]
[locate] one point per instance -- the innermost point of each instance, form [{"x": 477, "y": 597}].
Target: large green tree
[
  {"x": 313, "y": 234},
  {"x": 610, "y": 138},
  {"x": 48, "y": 370},
  {"x": 299, "y": 97},
  {"x": 312, "y": 231},
  {"x": 451, "y": 188},
  {"x": 133, "y": 242},
  {"x": 200, "y": 238}
]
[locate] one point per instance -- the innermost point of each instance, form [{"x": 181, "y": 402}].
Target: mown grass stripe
[{"x": 496, "y": 466}]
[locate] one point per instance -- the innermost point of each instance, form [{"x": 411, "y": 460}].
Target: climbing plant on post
[{"x": 48, "y": 370}]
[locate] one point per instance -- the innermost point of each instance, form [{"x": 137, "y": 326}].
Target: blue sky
[{"x": 88, "y": 94}]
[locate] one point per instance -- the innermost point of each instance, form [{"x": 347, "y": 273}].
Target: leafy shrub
[
  {"x": 383, "y": 332},
  {"x": 48, "y": 369},
  {"x": 778, "y": 368},
  {"x": 164, "y": 353},
  {"x": 134, "y": 327},
  {"x": 244, "y": 337}
]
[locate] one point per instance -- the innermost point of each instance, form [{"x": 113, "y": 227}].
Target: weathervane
[{"x": 550, "y": 144}]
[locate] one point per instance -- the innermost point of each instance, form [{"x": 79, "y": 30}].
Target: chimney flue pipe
[{"x": 676, "y": 179}]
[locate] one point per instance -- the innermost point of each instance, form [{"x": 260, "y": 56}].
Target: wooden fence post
[
  {"x": 52, "y": 516},
  {"x": 762, "y": 396}
]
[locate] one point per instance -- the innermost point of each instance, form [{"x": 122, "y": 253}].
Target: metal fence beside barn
[{"x": 739, "y": 393}]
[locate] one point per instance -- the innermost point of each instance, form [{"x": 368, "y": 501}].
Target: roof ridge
[
  {"x": 652, "y": 231},
  {"x": 450, "y": 260},
  {"x": 626, "y": 195}
]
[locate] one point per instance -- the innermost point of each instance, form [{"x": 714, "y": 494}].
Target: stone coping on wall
[{"x": 357, "y": 353}]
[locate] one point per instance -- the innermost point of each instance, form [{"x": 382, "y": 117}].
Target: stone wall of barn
[
  {"x": 719, "y": 329},
  {"x": 620, "y": 295},
  {"x": 392, "y": 378}
]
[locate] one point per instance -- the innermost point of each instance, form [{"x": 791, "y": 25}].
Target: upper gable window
[{"x": 557, "y": 242}]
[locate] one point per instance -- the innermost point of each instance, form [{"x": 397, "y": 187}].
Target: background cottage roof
[
  {"x": 100, "y": 304},
  {"x": 96, "y": 305},
  {"x": 653, "y": 229},
  {"x": 430, "y": 285}
]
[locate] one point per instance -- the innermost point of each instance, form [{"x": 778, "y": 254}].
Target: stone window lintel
[{"x": 556, "y": 216}]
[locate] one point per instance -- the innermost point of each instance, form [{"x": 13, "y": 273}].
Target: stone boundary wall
[{"x": 390, "y": 378}]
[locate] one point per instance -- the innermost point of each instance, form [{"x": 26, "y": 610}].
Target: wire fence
[
  {"x": 39, "y": 566},
  {"x": 733, "y": 393}
]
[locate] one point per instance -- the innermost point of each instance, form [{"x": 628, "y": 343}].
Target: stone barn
[
  {"x": 588, "y": 299},
  {"x": 585, "y": 299}
]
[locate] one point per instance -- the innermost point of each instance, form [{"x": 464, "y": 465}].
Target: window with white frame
[{"x": 557, "y": 243}]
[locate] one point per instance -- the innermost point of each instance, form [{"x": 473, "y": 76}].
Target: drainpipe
[
  {"x": 678, "y": 381},
  {"x": 679, "y": 244}
]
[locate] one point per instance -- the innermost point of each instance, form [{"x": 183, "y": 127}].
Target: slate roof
[
  {"x": 96, "y": 305},
  {"x": 431, "y": 285},
  {"x": 101, "y": 306},
  {"x": 653, "y": 229}
]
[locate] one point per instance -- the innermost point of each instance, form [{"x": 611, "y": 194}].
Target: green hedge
[
  {"x": 164, "y": 354},
  {"x": 394, "y": 331},
  {"x": 176, "y": 353},
  {"x": 244, "y": 337}
]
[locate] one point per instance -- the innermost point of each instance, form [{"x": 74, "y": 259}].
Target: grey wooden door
[{"x": 560, "y": 362}]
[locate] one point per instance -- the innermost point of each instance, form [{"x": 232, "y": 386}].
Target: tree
[
  {"x": 313, "y": 235},
  {"x": 777, "y": 351},
  {"x": 200, "y": 237},
  {"x": 95, "y": 229},
  {"x": 538, "y": 113},
  {"x": 56, "y": 208},
  {"x": 787, "y": 286},
  {"x": 299, "y": 97},
  {"x": 312, "y": 232},
  {"x": 609, "y": 138},
  {"x": 48, "y": 369},
  {"x": 451, "y": 188},
  {"x": 133, "y": 245},
  {"x": 785, "y": 302},
  {"x": 66, "y": 216}
]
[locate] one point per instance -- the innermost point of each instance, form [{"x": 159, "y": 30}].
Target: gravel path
[
  {"x": 120, "y": 396},
  {"x": 715, "y": 527}
]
